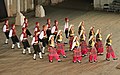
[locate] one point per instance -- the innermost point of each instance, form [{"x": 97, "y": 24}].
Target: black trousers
[
  {"x": 15, "y": 39},
  {"x": 28, "y": 32},
  {"x": 25, "y": 44},
  {"x": 7, "y": 34},
  {"x": 37, "y": 49},
  {"x": 48, "y": 33},
  {"x": 44, "y": 42},
  {"x": 66, "y": 33}
]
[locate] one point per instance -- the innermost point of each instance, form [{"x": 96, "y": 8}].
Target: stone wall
[
  {"x": 25, "y": 5},
  {"x": 98, "y": 4}
]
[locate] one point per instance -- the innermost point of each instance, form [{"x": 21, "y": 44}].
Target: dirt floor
[{"x": 13, "y": 62}]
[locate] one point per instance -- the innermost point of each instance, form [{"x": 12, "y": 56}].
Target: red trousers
[
  {"x": 75, "y": 58},
  {"x": 70, "y": 42},
  {"x": 92, "y": 57},
  {"x": 53, "y": 53},
  {"x": 61, "y": 52},
  {"x": 54, "y": 56},
  {"x": 84, "y": 49},
  {"x": 99, "y": 47},
  {"x": 110, "y": 54}
]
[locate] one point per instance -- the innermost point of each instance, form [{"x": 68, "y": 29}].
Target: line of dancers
[{"x": 51, "y": 39}]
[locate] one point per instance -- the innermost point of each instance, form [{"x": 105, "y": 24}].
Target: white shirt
[
  {"x": 36, "y": 29},
  {"x": 41, "y": 36},
  {"x": 4, "y": 28},
  {"x": 23, "y": 25},
  {"x": 33, "y": 41},
  {"x": 22, "y": 37},
  {"x": 53, "y": 29},
  {"x": 10, "y": 34},
  {"x": 66, "y": 26}
]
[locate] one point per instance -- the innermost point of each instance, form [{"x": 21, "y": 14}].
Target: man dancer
[
  {"x": 14, "y": 37},
  {"x": 6, "y": 31},
  {"x": 43, "y": 38}
]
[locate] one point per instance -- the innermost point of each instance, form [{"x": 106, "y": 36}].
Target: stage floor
[{"x": 13, "y": 62}]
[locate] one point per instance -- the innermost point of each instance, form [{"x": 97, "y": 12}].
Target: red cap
[
  {"x": 13, "y": 25},
  {"x": 23, "y": 28},
  {"x": 66, "y": 19},
  {"x": 48, "y": 19},
  {"x": 25, "y": 19},
  {"x": 37, "y": 23},
  {"x": 6, "y": 21},
  {"x": 55, "y": 21}
]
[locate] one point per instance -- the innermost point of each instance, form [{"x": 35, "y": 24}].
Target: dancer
[
  {"x": 77, "y": 56},
  {"x": 52, "y": 50},
  {"x": 60, "y": 44},
  {"x": 24, "y": 40},
  {"x": 81, "y": 27},
  {"x": 66, "y": 26},
  {"x": 55, "y": 29},
  {"x": 6, "y": 31},
  {"x": 71, "y": 36},
  {"x": 14, "y": 37},
  {"x": 98, "y": 44},
  {"x": 25, "y": 25},
  {"x": 91, "y": 33},
  {"x": 109, "y": 48},
  {"x": 92, "y": 51},
  {"x": 48, "y": 28},
  {"x": 35, "y": 44},
  {"x": 83, "y": 44},
  {"x": 43, "y": 38}
]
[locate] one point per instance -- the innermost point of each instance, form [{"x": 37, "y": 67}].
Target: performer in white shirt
[
  {"x": 55, "y": 29},
  {"x": 43, "y": 37},
  {"x": 14, "y": 37},
  {"x": 35, "y": 44},
  {"x": 6, "y": 31},
  {"x": 25, "y": 25},
  {"x": 66, "y": 26},
  {"x": 24, "y": 40}
]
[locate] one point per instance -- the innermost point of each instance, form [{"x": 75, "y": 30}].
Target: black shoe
[
  {"x": 59, "y": 60},
  {"x": 74, "y": 62},
  {"x": 115, "y": 58},
  {"x": 23, "y": 53},
  {"x": 107, "y": 59},
  {"x": 12, "y": 48},
  {"x": 64, "y": 56},
  {"x": 43, "y": 53},
  {"x": 50, "y": 61},
  {"x": 79, "y": 61},
  {"x": 6, "y": 43},
  {"x": 34, "y": 59}
]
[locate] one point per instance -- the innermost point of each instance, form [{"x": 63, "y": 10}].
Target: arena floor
[{"x": 13, "y": 62}]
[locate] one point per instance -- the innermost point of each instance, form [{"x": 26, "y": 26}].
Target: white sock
[
  {"x": 40, "y": 54},
  {"x": 6, "y": 41},
  {"x": 29, "y": 50},
  {"x": 43, "y": 50},
  {"x": 18, "y": 44},
  {"x": 13, "y": 45},
  {"x": 24, "y": 51},
  {"x": 34, "y": 57}
]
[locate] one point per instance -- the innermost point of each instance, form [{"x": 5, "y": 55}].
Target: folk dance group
[{"x": 52, "y": 38}]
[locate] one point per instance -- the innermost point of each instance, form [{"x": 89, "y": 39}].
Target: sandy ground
[{"x": 13, "y": 62}]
